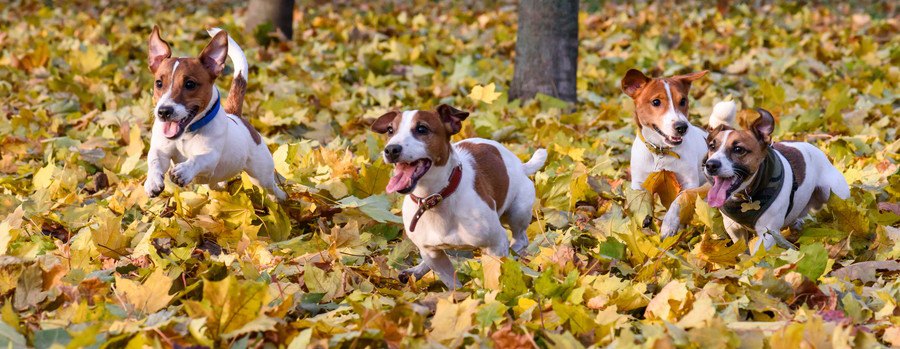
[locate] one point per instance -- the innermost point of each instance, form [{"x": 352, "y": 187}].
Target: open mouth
[
  {"x": 673, "y": 140},
  {"x": 722, "y": 188},
  {"x": 173, "y": 129},
  {"x": 407, "y": 174}
]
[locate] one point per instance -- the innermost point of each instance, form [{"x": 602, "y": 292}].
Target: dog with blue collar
[{"x": 204, "y": 139}]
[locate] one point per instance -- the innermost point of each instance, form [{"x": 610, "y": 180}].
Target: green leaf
[{"x": 814, "y": 261}]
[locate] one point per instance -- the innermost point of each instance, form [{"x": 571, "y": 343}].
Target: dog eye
[
  {"x": 390, "y": 130},
  {"x": 712, "y": 145},
  {"x": 190, "y": 85},
  {"x": 422, "y": 130},
  {"x": 656, "y": 102},
  {"x": 739, "y": 150},
  {"x": 683, "y": 102},
  {"x": 158, "y": 83}
]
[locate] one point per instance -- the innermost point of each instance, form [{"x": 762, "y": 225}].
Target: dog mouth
[
  {"x": 407, "y": 174},
  {"x": 174, "y": 128},
  {"x": 722, "y": 188},
  {"x": 670, "y": 140}
]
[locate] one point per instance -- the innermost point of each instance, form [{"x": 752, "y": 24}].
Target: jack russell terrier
[
  {"x": 204, "y": 136},
  {"x": 665, "y": 139},
  {"x": 457, "y": 193},
  {"x": 762, "y": 186}
]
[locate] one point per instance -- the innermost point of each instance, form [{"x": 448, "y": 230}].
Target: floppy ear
[
  {"x": 763, "y": 126},
  {"x": 452, "y": 117},
  {"x": 687, "y": 79},
  {"x": 158, "y": 50},
  {"x": 383, "y": 122},
  {"x": 633, "y": 81},
  {"x": 214, "y": 55}
]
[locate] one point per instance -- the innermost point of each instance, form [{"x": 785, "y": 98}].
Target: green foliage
[{"x": 87, "y": 260}]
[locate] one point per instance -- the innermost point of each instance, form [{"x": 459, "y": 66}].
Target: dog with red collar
[
  {"x": 761, "y": 186},
  {"x": 203, "y": 135},
  {"x": 457, "y": 194}
]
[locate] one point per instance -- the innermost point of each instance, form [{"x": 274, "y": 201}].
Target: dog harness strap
[
  {"x": 433, "y": 200},
  {"x": 657, "y": 149},
  {"x": 211, "y": 114},
  {"x": 763, "y": 190}
]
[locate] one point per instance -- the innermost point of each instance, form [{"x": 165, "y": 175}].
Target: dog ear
[
  {"x": 763, "y": 126},
  {"x": 633, "y": 81},
  {"x": 452, "y": 117},
  {"x": 214, "y": 55},
  {"x": 687, "y": 79},
  {"x": 383, "y": 122},
  {"x": 158, "y": 50}
]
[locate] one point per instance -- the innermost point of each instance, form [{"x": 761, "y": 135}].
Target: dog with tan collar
[
  {"x": 666, "y": 139},
  {"x": 206, "y": 138},
  {"x": 460, "y": 194},
  {"x": 761, "y": 186}
]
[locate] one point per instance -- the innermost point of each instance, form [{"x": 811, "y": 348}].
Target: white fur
[
  {"x": 463, "y": 221},
  {"x": 214, "y": 154},
  {"x": 723, "y": 114},
  {"x": 692, "y": 150},
  {"x": 820, "y": 174}
]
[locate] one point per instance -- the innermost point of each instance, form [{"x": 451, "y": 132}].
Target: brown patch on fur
[
  {"x": 754, "y": 151},
  {"x": 189, "y": 69},
  {"x": 234, "y": 103},
  {"x": 644, "y": 90},
  {"x": 491, "y": 179},
  {"x": 795, "y": 159},
  {"x": 437, "y": 140},
  {"x": 253, "y": 132}
]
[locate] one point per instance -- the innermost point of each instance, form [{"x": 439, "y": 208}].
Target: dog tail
[
  {"x": 723, "y": 114},
  {"x": 235, "y": 101},
  {"x": 537, "y": 161}
]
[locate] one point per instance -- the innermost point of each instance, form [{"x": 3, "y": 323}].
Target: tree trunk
[
  {"x": 277, "y": 13},
  {"x": 546, "y": 49}
]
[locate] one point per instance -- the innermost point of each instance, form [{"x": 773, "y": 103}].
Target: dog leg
[
  {"x": 417, "y": 272},
  {"x": 262, "y": 173},
  {"x": 440, "y": 263},
  {"x": 519, "y": 219},
  {"x": 157, "y": 165},
  {"x": 185, "y": 172}
]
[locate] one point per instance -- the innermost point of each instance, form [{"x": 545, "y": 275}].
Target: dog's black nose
[
  {"x": 681, "y": 127},
  {"x": 713, "y": 166},
  {"x": 165, "y": 112},
  {"x": 392, "y": 152}
]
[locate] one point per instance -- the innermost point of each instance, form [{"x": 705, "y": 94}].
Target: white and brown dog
[
  {"x": 458, "y": 193},
  {"x": 205, "y": 137},
  {"x": 761, "y": 186},
  {"x": 666, "y": 139}
]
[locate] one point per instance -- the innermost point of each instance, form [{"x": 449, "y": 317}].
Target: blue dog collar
[{"x": 211, "y": 114}]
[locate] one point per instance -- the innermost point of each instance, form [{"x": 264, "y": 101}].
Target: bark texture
[
  {"x": 546, "y": 49},
  {"x": 280, "y": 13}
]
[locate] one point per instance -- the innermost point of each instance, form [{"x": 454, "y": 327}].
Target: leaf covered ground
[{"x": 88, "y": 260}]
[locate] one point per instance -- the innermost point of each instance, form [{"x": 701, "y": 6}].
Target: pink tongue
[
  {"x": 171, "y": 128},
  {"x": 717, "y": 194},
  {"x": 402, "y": 177}
]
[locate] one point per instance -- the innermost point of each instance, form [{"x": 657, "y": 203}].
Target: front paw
[
  {"x": 183, "y": 174},
  {"x": 669, "y": 226},
  {"x": 154, "y": 185}
]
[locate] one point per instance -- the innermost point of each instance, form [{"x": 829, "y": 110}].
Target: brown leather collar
[{"x": 433, "y": 200}]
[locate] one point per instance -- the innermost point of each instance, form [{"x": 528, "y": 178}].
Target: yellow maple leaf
[
  {"x": 484, "y": 94},
  {"x": 718, "y": 251},
  {"x": 149, "y": 296},
  {"x": 663, "y": 184}
]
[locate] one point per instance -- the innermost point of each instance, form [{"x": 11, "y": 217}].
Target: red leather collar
[{"x": 433, "y": 200}]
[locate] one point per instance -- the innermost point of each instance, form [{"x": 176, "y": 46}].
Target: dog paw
[
  {"x": 182, "y": 174},
  {"x": 154, "y": 186},
  {"x": 404, "y": 276},
  {"x": 668, "y": 228}
]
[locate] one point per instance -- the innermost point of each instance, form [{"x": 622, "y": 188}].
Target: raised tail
[
  {"x": 723, "y": 113},
  {"x": 235, "y": 101},
  {"x": 537, "y": 161}
]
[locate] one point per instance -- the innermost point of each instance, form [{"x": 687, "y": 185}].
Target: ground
[{"x": 87, "y": 259}]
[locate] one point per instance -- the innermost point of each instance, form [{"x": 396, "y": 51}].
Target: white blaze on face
[
  {"x": 672, "y": 115},
  {"x": 724, "y": 178},
  {"x": 180, "y": 112},
  {"x": 412, "y": 148}
]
